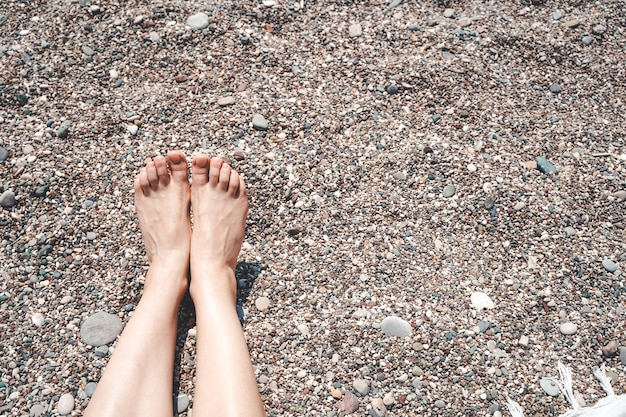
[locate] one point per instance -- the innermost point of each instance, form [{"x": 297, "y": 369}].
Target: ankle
[{"x": 211, "y": 282}]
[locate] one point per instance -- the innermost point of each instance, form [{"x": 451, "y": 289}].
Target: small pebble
[
  {"x": 7, "y": 199},
  {"x": 361, "y": 386},
  {"x": 259, "y": 122},
  {"x": 198, "y": 21},
  {"x": 465, "y": 21},
  {"x": 66, "y": 404},
  {"x": 392, "y": 89},
  {"x": 588, "y": 40},
  {"x": 449, "y": 13},
  {"x": 132, "y": 129},
  {"x": 262, "y": 303},
  {"x": 622, "y": 355},
  {"x": 481, "y": 301},
  {"x": 395, "y": 326},
  {"x": 379, "y": 407},
  {"x": 620, "y": 195},
  {"x": 349, "y": 404},
  {"x": 91, "y": 235},
  {"x": 182, "y": 403},
  {"x": 90, "y": 388},
  {"x": 388, "y": 399},
  {"x": 4, "y": 154},
  {"x": 449, "y": 190},
  {"x": 568, "y": 328},
  {"x": 440, "y": 404},
  {"x": 609, "y": 265},
  {"x": 37, "y": 410},
  {"x": 64, "y": 129},
  {"x": 598, "y": 29},
  {"x": 610, "y": 349},
  {"x": 226, "y": 101},
  {"x": 303, "y": 329},
  {"x": 355, "y": 30},
  {"x": 556, "y": 88},
  {"x": 38, "y": 319},
  {"x": 100, "y": 329},
  {"x": 545, "y": 166},
  {"x": 549, "y": 386}
]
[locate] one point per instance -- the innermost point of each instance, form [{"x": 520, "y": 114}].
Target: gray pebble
[
  {"x": 449, "y": 190},
  {"x": 66, "y": 404},
  {"x": 182, "y": 402},
  {"x": 620, "y": 195},
  {"x": 198, "y": 21},
  {"x": 100, "y": 329},
  {"x": 588, "y": 40},
  {"x": 392, "y": 89},
  {"x": 440, "y": 404},
  {"x": 489, "y": 203},
  {"x": 449, "y": 13},
  {"x": 259, "y": 122},
  {"x": 361, "y": 386},
  {"x": 483, "y": 325},
  {"x": 87, "y": 50},
  {"x": 394, "y": 3},
  {"x": 395, "y": 326},
  {"x": 7, "y": 199},
  {"x": 132, "y": 129},
  {"x": 91, "y": 235},
  {"x": 609, "y": 265},
  {"x": 102, "y": 351},
  {"x": 549, "y": 386},
  {"x": 557, "y": 15},
  {"x": 545, "y": 166},
  {"x": 90, "y": 388},
  {"x": 64, "y": 129},
  {"x": 4, "y": 154},
  {"x": 622, "y": 355},
  {"x": 556, "y": 88}
]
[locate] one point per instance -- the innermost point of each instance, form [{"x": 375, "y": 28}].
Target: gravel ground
[{"x": 397, "y": 175}]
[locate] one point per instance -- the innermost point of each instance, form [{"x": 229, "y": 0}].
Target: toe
[
  {"x": 243, "y": 190},
  {"x": 142, "y": 180},
  {"x": 153, "y": 177},
  {"x": 233, "y": 183},
  {"x": 224, "y": 177},
  {"x": 178, "y": 165},
  {"x": 214, "y": 171},
  {"x": 161, "y": 169},
  {"x": 200, "y": 169}
]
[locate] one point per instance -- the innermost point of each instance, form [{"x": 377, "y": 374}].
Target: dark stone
[
  {"x": 392, "y": 89},
  {"x": 21, "y": 99},
  {"x": 4, "y": 154}
]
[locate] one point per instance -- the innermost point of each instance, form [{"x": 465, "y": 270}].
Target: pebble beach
[{"x": 437, "y": 195}]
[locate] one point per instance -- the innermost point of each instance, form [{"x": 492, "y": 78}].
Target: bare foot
[
  {"x": 219, "y": 201},
  {"x": 162, "y": 201}
]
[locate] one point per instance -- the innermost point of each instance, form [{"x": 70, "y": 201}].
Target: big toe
[
  {"x": 178, "y": 165},
  {"x": 200, "y": 169}
]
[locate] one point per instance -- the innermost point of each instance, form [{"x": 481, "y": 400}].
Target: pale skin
[{"x": 138, "y": 379}]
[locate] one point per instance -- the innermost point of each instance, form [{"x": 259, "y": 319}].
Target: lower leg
[
  {"x": 225, "y": 382},
  {"x": 139, "y": 376}
]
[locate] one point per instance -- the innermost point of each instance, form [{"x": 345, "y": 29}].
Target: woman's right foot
[{"x": 219, "y": 201}]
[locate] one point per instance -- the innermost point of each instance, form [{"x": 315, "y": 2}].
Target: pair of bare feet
[
  {"x": 219, "y": 201},
  {"x": 138, "y": 378}
]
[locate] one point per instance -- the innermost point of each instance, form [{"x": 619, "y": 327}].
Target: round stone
[
  {"x": 556, "y": 88},
  {"x": 66, "y": 404},
  {"x": 388, "y": 399},
  {"x": 588, "y": 40},
  {"x": 361, "y": 386},
  {"x": 4, "y": 154},
  {"x": 100, "y": 329},
  {"x": 262, "y": 303},
  {"x": 38, "y": 319},
  {"x": 449, "y": 13},
  {"x": 481, "y": 301},
  {"x": 620, "y": 195},
  {"x": 91, "y": 235},
  {"x": 568, "y": 328},
  {"x": 182, "y": 402},
  {"x": 7, "y": 199},
  {"x": 90, "y": 388},
  {"x": 37, "y": 410},
  {"x": 609, "y": 265},
  {"x": 259, "y": 122},
  {"x": 449, "y": 190},
  {"x": 303, "y": 329},
  {"x": 198, "y": 21},
  {"x": 379, "y": 407},
  {"x": 395, "y": 326},
  {"x": 440, "y": 404},
  {"x": 550, "y": 386},
  {"x": 392, "y": 89},
  {"x": 355, "y": 30}
]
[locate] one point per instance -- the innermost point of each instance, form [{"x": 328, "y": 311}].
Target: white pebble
[
  {"x": 66, "y": 404},
  {"x": 38, "y": 319},
  {"x": 568, "y": 328},
  {"x": 481, "y": 301}
]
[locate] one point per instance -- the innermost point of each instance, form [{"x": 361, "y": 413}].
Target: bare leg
[
  {"x": 138, "y": 378},
  {"x": 225, "y": 382}
]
